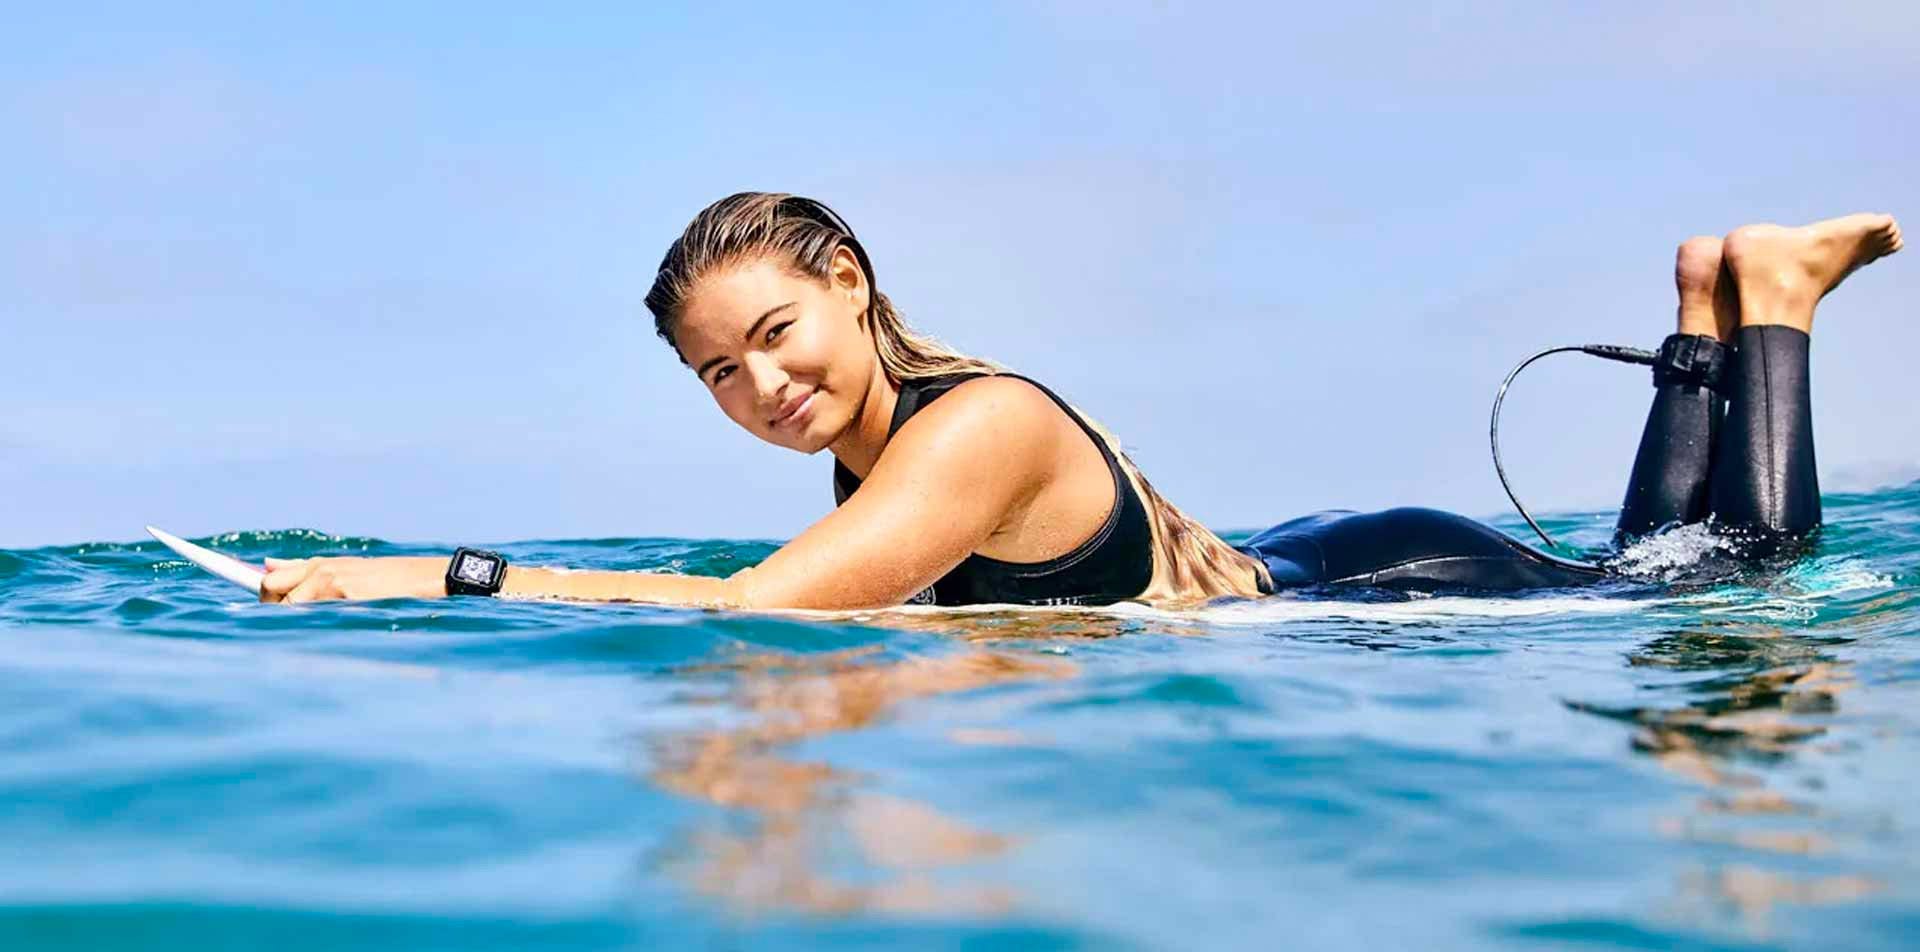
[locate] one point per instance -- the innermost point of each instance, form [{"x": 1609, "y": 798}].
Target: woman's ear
[{"x": 847, "y": 276}]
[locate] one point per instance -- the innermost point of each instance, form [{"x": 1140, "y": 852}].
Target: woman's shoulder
[
  {"x": 991, "y": 425},
  {"x": 999, "y": 408},
  {"x": 982, "y": 440},
  {"x": 1008, "y": 387},
  {"x": 996, "y": 426}
]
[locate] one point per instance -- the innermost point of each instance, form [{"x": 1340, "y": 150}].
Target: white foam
[
  {"x": 1663, "y": 557},
  {"x": 1823, "y": 577},
  {"x": 1282, "y": 608},
  {"x": 1800, "y": 591}
]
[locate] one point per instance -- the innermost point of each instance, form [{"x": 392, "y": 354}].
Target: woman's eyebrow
[{"x": 755, "y": 329}]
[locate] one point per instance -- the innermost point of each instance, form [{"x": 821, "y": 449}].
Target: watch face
[{"x": 475, "y": 569}]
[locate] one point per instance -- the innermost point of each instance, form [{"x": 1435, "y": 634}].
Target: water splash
[{"x": 1671, "y": 555}]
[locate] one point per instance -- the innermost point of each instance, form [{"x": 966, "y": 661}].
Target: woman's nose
[{"x": 769, "y": 380}]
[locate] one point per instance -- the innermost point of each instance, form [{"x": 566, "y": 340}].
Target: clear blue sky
[{"x": 378, "y": 269}]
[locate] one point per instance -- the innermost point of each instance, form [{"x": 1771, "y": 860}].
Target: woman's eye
[
  {"x": 775, "y": 330},
  {"x": 722, "y": 374}
]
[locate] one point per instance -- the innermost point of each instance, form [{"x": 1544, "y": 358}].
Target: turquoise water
[{"x": 1734, "y": 767}]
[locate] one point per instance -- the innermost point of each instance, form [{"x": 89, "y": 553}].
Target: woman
[{"x": 961, "y": 483}]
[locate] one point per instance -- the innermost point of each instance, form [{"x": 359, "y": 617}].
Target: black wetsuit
[
  {"x": 1113, "y": 565},
  {"x": 1729, "y": 436}
]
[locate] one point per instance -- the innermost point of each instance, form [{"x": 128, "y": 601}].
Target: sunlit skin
[
  {"x": 1769, "y": 274},
  {"x": 994, "y": 467}
]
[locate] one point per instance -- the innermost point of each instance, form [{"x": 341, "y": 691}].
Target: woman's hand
[{"x": 307, "y": 580}]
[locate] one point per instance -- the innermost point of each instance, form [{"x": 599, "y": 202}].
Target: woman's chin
[
  {"x": 822, "y": 421},
  {"x": 799, "y": 441},
  {"x": 810, "y": 436}
]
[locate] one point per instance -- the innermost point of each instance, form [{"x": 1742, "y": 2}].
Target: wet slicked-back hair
[{"x": 803, "y": 234}]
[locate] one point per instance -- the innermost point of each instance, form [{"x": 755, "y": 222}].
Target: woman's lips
[{"x": 795, "y": 410}]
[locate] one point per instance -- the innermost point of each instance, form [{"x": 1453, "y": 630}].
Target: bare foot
[
  {"x": 1709, "y": 306},
  {"x": 1781, "y": 273}
]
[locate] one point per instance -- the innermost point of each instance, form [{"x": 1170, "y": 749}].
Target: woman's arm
[
  {"x": 954, "y": 474},
  {"x": 948, "y": 480}
]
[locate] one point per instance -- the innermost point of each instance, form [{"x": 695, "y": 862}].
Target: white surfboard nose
[{"x": 224, "y": 566}]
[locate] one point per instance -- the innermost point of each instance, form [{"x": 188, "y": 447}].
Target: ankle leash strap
[{"x": 1692, "y": 359}]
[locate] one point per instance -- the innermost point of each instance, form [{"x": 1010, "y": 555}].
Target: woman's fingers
[
  {"x": 317, "y": 585},
  {"x": 308, "y": 580},
  {"x": 283, "y": 576}
]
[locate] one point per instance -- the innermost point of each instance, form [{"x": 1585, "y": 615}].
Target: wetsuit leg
[
  {"x": 1764, "y": 482},
  {"x": 1668, "y": 484}
]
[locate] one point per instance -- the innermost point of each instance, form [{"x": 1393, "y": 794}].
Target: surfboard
[{"x": 225, "y": 566}]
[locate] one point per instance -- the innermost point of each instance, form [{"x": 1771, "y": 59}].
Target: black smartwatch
[{"x": 476, "y": 572}]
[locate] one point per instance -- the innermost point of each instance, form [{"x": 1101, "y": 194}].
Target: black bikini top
[{"x": 1114, "y": 565}]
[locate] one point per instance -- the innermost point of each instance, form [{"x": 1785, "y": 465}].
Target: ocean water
[{"x": 1723, "y": 766}]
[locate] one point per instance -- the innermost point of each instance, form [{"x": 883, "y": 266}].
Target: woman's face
[{"x": 784, "y": 355}]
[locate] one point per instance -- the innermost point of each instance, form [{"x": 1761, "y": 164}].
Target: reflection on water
[
  {"x": 805, "y": 836},
  {"x": 810, "y": 840},
  {"x": 1753, "y": 893},
  {"x": 1761, "y": 705},
  {"x": 1027, "y": 626}
]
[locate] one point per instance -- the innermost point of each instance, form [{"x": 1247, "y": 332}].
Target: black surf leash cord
[{"x": 1626, "y": 355}]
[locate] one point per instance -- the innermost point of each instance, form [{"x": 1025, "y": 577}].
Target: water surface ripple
[{"x": 1695, "y": 766}]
